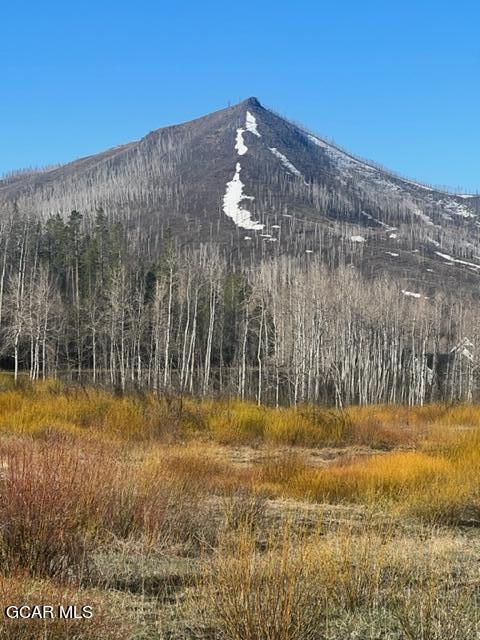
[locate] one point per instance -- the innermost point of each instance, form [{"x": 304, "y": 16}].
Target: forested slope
[{"x": 241, "y": 254}]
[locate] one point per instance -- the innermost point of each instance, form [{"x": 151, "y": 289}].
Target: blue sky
[{"x": 396, "y": 82}]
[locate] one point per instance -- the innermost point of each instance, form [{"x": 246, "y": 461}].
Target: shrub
[
  {"x": 57, "y": 500},
  {"x": 247, "y": 595},
  {"x": 438, "y": 612}
]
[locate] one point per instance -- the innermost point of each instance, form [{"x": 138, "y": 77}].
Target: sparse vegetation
[{"x": 224, "y": 520}]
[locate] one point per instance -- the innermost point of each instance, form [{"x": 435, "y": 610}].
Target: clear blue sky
[{"x": 397, "y": 82}]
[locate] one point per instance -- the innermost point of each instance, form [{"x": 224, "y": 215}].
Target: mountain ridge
[
  {"x": 245, "y": 176},
  {"x": 252, "y": 102}
]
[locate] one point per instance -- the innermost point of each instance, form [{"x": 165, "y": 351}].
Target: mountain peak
[
  {"x": 247, "y": 178},
  {"x": 251, "y": 102}
]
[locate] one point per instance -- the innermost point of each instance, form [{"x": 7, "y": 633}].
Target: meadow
[{"x": 219, "y": 519}]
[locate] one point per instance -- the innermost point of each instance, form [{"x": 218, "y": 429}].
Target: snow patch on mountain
[
  {"x": 348, "y": 161},
  {"x": 251, "y": 124},
  {"x": 240, "y": 145},
  {"x": 456, "y": 208},
  {"x": 449, "y": 258},
  {"x": 369, "y": 176},
  {"x": 357, "y": 239},
  {"x": 286, "y": 162},
  {"x": 339, "y": 156},
  {"x": 411, "y": 294},
  {"x": 382, "y": 224},
  {"x": 231, "y": 203},
  {"x": 417, "y": 184}
]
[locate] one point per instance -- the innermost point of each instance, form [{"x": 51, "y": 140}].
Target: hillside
[
  {"x": 246, "y": 178},
  {"x": 239, "y": 254}
]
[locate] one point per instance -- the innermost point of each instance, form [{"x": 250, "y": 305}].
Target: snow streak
[
  {"x": 449, "y": 258},
  {"x": 240, "y": 145},
  {"x": 286, "y": 162},
  {"x": 251, "y": 124},
  {"x": 231, "y": 203}
]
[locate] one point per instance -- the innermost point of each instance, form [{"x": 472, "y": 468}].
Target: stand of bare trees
[{"x": 85, "y": 304}]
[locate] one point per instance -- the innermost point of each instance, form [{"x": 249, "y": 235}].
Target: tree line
[{"x": 81, "y": 301}]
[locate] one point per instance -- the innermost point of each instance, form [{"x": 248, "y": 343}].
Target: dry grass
[
  {"x": 51, "y": 406},
  {"x": 438, "y": 485},
  {"x": 55, "y": 501},
  {"x": 59, "y": 501},
  {"x": 301, "y": 586},
  {"x": 146, "y": 483},
  {"x": 248, "y": 594}
]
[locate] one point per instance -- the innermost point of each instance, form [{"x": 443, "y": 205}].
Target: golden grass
[
  {"x": 32, "y": 409},
  {"x": 50, "y": 407},
  {"x": 429, "y": 467},
  {"x": 300, "y": 586},
  {"x": 438, "y": 485},
  {"x": 84, "y": 473},
  {"x": 249, "y": 594}
]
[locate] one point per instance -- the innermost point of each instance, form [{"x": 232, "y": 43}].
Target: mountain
[
  {"x": 249, "y": 179},
  {"x": 215, "y": 257}
]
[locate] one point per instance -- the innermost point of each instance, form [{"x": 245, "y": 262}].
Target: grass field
[{"x": 176, "y": 518}]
